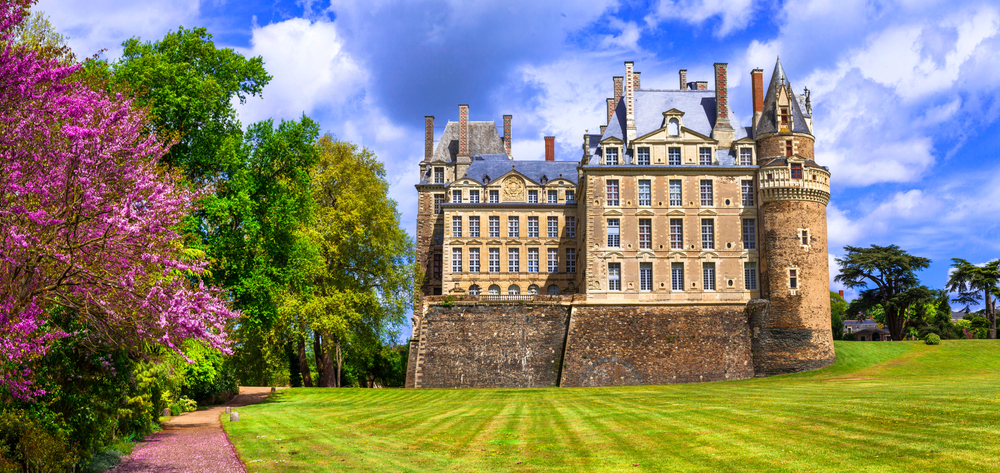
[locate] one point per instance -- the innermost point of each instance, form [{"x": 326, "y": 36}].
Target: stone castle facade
[{"x": 678, "y": 246}]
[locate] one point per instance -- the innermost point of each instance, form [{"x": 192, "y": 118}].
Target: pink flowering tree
[{"x": 87, "y": 221}]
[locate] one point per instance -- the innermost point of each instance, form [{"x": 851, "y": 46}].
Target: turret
[{"x": 793, "y": 333}]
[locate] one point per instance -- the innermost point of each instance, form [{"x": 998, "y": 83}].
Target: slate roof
[
  {"x": 483, "y": 139},
  {"x": 768, "y": 121},
  {"x": 784, "y": 162},
  {"x": 489, "y": 168},
  {"x": 698, "y": 107}
]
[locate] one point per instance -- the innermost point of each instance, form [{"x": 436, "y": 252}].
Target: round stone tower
[{"x": 792, "y": 333}]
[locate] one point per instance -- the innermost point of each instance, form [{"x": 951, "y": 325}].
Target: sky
[{"x": 905, "y": 94}]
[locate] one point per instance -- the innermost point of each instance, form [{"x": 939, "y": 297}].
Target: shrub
[
  {"x": 27, "y": 445},
  {"x": 850, "y": 337},
  {"x": 932, "y": 339}
]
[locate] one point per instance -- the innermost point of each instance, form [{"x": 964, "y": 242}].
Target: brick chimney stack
[
  {"x": 723, "y": 130},
  {"x": 683, "y": 73},
  {"x": 841, "y": 293},
  {"x": 463, "y": 130},
  {"x": 611, "y": 109},
  {"x": 506, "y": 134},
  {"x": 629, "y": 102},
  {"x": 428, "y": 137},
  {"x": 550, "y": 148},
  {"x": 636, "y": 82},
  {"x": 757, "y": 84},
  {"x": 618, "y": 89}
]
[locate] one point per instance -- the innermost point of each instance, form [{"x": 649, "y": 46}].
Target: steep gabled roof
[
  {"x": 483, "y": 166},
  {"x": 483, "y": 139},
  {"x": 769, "y": 120}
]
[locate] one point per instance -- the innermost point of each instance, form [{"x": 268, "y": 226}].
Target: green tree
[
  {"x": 892, "y": 272},
  {"x": 975, "y": 284},
  {"x": 838, "y": 306}
]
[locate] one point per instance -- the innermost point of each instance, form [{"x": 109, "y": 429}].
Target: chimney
[
  {"x": 428, "y": 137},
  {"x": 635, "y": 82},
  {"x": 841, "y": 291},
  {"x": 550, "y": 148},
  {"x": 618, "y": 89},
  {"x": 506, "y": 134},
  {"x": 629, "y": 102},
  {"x": 722, "y": 130},
  {"x": 611, "y": 109},
  {"x": 463, "y": 130},
  {"x": 684, "y": 78},
  {"x": 586, "y": 147},
  {"x": 603, "y": 129},
  {"x": 757, "y": 84}
]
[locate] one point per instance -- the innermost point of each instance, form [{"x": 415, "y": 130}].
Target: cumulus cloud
[{"x": 733, "y": 15}]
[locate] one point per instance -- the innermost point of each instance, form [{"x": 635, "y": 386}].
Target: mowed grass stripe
[{"x": 882, "y": 407}]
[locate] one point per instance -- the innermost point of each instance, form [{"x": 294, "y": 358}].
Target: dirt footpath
[{"x": 192, "y": 442}]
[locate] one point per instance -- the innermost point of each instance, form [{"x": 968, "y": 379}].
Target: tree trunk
[
  {"x": 307, "y": 379},
  {"x": 294, "y": 374},
  {"x": 326, "y": 377},
  {"x": 991, "y": 313},
  {"x": 896, "y": 322},
  {"x": 340, "y": 362},
  {"x": 318, "y": 352}
]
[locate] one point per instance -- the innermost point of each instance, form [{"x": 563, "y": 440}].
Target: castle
[{"x": 678, "y": 247}]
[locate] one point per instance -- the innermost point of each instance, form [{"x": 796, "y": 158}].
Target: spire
[{"x": 785, "y": 116}]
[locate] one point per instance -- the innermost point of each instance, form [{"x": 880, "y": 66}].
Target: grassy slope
[{"x": 901, "y": 406}]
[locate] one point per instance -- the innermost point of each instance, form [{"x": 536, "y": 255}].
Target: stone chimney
[
  {"x": 550, "y": 148},
  {"x": 723, "y": 130},
  {"x": 603, "y": 129},
  {"x": 629, "y": 102},
  {"x": 618, "y": 89},
  {"x": 463, "y": 130},
  {"x": 506, "y": 134},
  {"x": 428, "y": 137},
  {"x": 635, "y": 81},
  {"x": 684, "y": 78},
  {"x": 757, "y": 83},
  {"x": 611, "y": 109}
]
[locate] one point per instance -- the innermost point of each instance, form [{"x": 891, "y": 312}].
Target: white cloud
[{"x": 733, "y": 15}]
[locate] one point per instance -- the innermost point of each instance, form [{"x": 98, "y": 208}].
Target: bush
[
  {"x": 850, "y": 337},
  {"x": 27, "y": 445},
  {"x": 932, "y": 339}
]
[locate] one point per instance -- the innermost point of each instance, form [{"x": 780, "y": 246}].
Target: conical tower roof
[{"x": 769, "y": 119}]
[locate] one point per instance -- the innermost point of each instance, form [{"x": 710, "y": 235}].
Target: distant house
[
  {"x": 956, "y": 316},
  {"x": 866, "y": 330}
]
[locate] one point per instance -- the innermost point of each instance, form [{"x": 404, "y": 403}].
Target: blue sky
[{"x": 905, "y": 93}]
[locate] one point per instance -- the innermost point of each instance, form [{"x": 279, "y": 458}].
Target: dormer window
[
  {"x": 439, "y": 175},
  {"x": 610, "y": 156},
  {"x": 796, "y": 171},
  {"x": 674, "y": 127},
  {"x": 784, "y": 117}
]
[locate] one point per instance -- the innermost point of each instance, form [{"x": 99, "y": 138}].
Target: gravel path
[{"x": 191, "y": 442}]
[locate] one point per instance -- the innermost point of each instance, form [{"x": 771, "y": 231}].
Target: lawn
[{"x": 899, "y": 406}]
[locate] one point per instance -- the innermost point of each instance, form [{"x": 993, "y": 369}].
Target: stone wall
[
  {"x": 774, "y": 146},
  {"x": 656, "y": 344}
]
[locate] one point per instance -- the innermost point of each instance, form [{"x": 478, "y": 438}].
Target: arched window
[
  {"x": 513, "y": 290},
  {"x": 473, "y": 290},
  {"x": 533, "y": 289},
  {"x": 674, "y": 127},
  {"x": 494, "y": 290},
  {"x": 553, "y": 290}
]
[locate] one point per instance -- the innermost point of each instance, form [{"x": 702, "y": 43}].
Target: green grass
[{"x": 900, "y": 406}]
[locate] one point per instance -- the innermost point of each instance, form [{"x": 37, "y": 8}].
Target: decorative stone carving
[
  {"x": 593, "y": 284},
  {"x": 513, "y": 189}
]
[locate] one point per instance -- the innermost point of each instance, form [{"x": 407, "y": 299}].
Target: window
[
  {"x": 513, "y": 290},
  {"x": 612, "y": 192},
  {"x": 570, "y": 197},
  {"x": 474, "y": 290},
  {"x": 614, "y": 233},
  {"x": 456, "y": 196},
  {"x": 553, "y": 290},
  {"x": 439, "y": 175},
  {"x": 494, "y": 224},
  {"x": 645, "y": 233},
  {"x": 784, "y": 117},
  {"x": 513, "y": 260},
  {"x": 570, "y": 260},
  {"x": 553, "y": 227},
  {"x": 750, "y": 276},
  {"x": 494, "y": 196},
  {"x": 796, "y": 171},
  {"x": 533, "y": 289},
  {"x": 788, "y": 148},
  {"x": 614, "y": 276},
  {"x": 645, "y": 276},
  {"x": 677, "y": 276},
  {"x": 513, "y": 227},
  {"x": 708, "y": 276},
  {"x": 494, "y": 260},
  {"x": 474, "y": 198},
  {"x": 645, "y": 192},
  {"x": 553, "y": 260},
  {"x": 674, "y": 156},
  {"x": 438, "y": 234},
  {"x": 532, "y": 227},
  {"x": 553, "y": 197},
  {"x": 438, "y": 200},
  {"x": 532, "y": 260},
  {"x": 611, "y": 156},
  {"x": 473, "y": 227},
  {"x": 804, "y": 236},
  {"x": 532, "y": 197},
  {"x": 746, "y": 156},
  {"x": 570, "y": 227},
  {"x": 674, "y": 126},
  {"x": 705, "y": 156},
  {"x": 494, "y": 290},
  {"x": 707, "y": 234},
  {"x": 706, "y": 193},
  {"x": 675, "y": 193},
  {"x": 456, "y": 260},
  {"x": 747, "y": 188},
  {"x": 676, "y": 234},
  {"x": 749, "y": 234},
  {"x": 437, "y": 266},
  {"x": 456, "y": 227},
  {"x": 642, "y": 158},
  {"x": 793, "y": 278},
  {"x": 473, "y": 260}
]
